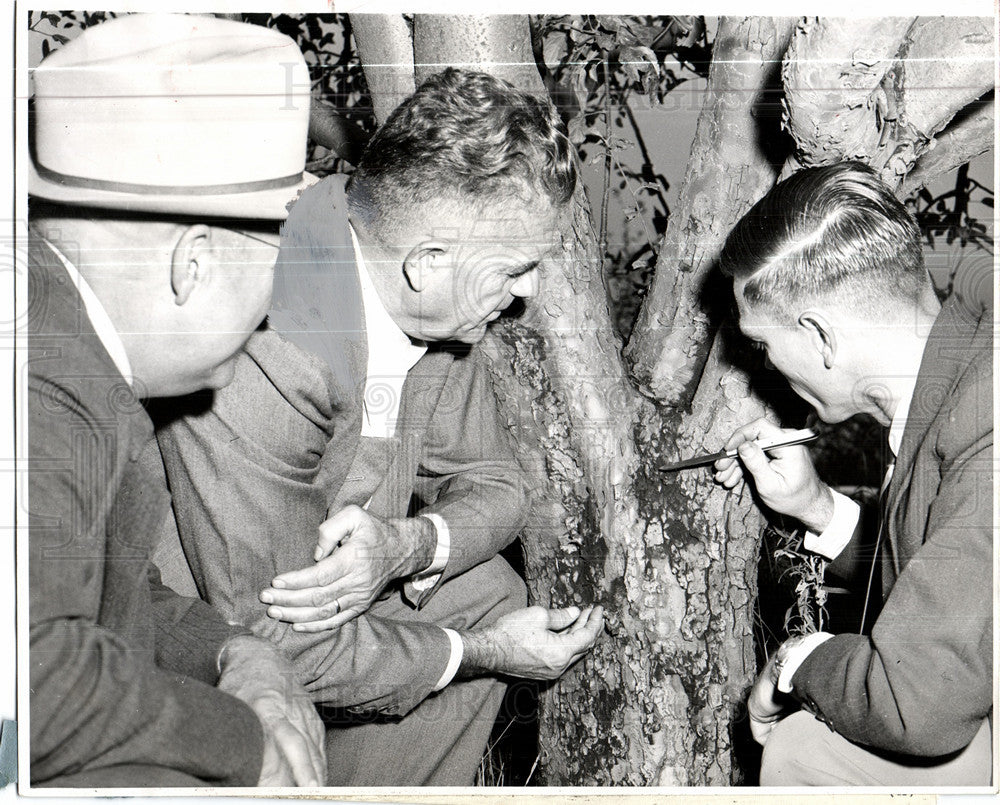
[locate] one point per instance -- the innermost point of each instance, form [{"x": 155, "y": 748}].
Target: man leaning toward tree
[
  {"x": 829, "y": 278},
  {"x": 348, "y": 494}
]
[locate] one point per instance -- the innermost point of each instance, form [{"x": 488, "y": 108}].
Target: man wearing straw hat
[{"x": 151, "y": 250}]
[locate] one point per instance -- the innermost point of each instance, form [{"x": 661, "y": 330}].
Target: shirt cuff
[
  {"x": 838, "y": 533},
  {"x": 453, "y": 661},
  {"x": 796, "y": 655},
  {"x": 428, "y": 577}
]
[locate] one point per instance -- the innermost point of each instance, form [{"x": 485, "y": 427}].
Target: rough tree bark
[{"x": 671, "y": 557}]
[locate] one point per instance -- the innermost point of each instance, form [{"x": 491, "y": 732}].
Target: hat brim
[{"x": 269, "y": 205}]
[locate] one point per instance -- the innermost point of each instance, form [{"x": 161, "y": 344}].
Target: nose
[{"x": 526, "y": 285}]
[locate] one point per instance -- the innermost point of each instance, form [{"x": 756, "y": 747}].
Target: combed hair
[
  {"x": 465, "y": 135},
  {"x": 835, "y": 229}
]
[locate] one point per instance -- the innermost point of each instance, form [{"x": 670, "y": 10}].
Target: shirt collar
[
  {"x": 390, "y": 350},
  {"x": 99, "y": 318},
  {"x": 899, "y": 418}
]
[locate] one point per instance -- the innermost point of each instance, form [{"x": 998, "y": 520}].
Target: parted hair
[
  {"x": 465, "y": 135},
  {"x": 835, "y": 230}
]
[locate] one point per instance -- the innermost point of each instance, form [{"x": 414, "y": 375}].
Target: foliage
[
  {"x": 592, "y": 66},
  {"x": 946, "y": 216}
]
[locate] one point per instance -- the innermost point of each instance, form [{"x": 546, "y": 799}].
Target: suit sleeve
[
  {"x": 922, "y": 683},
  {"x": 469, "y": 471},
  {"x": 97, "y": 700}
]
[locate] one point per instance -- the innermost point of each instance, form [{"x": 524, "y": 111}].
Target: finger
[
  {"x": 295, "y": 748},
  {"x": 334, "y": 529},
  {"x": 313, "y": 596},
  {"x": 756, "y": 463},
  {"x": 329, "y": 623},
  {"x": 580, "y": 641},
  {"x": 315, "y": 736},
  {"x": 305, "y": 614},
  {"x": 724, "y": 464},
  {"x": 581, "y": 621},
  {"x": 751, "y": 431},
  {"x": 761, "y": 730},
  {"x": 561, "y": 618},
  {"x": 730, "y": 476},
  {"x": 324, "y": 572}
]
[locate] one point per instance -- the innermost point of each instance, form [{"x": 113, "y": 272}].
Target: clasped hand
[
  {"x": 255, "y": 672},
  {"x": 357, "y": 556},
  {"x": 784, "y": 477}
]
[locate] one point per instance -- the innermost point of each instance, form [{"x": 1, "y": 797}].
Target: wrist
[
  {"x": 420, "y": 538},
  {"x": 480, "y": 653},
  {"x": 819, "y": 513}
]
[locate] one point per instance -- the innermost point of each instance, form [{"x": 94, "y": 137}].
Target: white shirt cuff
[
  {"x": 429, "y": 576},
  {"x": 453, "y": 661},
  {"x": 838, "y": 533},
  {"x": 796, "y": 656}
]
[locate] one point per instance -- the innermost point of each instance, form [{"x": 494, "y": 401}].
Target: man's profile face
[
  {"x": 491, "y": 261},
  {"x": 794, "y": 350}
]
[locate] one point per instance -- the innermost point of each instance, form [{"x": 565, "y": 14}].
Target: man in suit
[
  {"x": 347, "y": 495},
  {"x": 829, "y": 278},
  {"x": 138, "y": 288}
]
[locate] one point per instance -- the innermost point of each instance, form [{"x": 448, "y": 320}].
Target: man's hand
[
  {"x": 357, "y": 556},
  {"x": 764, "y": 705},
  {"x": 255, "y": 672},
  {"x": 784, "y": 477},
  {"x": 533, "y": 643}
]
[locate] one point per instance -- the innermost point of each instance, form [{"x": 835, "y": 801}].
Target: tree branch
[
  {"x": 386, "y": 49},
  {"x": 332, "y": 130},
  {"x": 832, "y": 76},
  {"x": 967, "y": 137},
  {"x": 948, "y": 64},
  {"x": 729, "y": 169}
]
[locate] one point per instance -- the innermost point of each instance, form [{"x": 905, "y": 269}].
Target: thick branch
[
  {"x": 727, "y": 172},
  {"x": 499, "y": 44},
  {"x": 947, "y": 65},
  {"x": 832, "y": 76},
  {"x": 386, "y": 49},
  {"x": 332, "y": 130},
  {"x": 966, "y": 138}
]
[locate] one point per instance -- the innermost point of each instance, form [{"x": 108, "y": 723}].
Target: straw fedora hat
[{"x": 174, "y": 114}]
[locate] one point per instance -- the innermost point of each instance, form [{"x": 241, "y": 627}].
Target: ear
[
  {"x": 189, "y": 265},
  {"x": 821, "y": 335},
  {"x": 424, "y": 261}
]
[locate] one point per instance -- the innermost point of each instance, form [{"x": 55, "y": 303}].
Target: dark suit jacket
[
  {"x": 922, "y": 683},
  {"x": 256, "y": 469},
  {"x": 122, "y": 668}
]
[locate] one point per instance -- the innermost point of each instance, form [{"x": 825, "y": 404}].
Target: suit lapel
[{"x": 942, "y": 364}]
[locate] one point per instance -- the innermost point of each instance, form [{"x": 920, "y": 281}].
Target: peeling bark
[
  {"x": 833, "y": 76},
  {"x": 727, "y": 172}
]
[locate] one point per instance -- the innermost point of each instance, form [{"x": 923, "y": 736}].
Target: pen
[{"x": 772, "y": 443}]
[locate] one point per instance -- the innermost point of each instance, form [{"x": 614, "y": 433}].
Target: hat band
[{"x": 168, "y": 190}]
